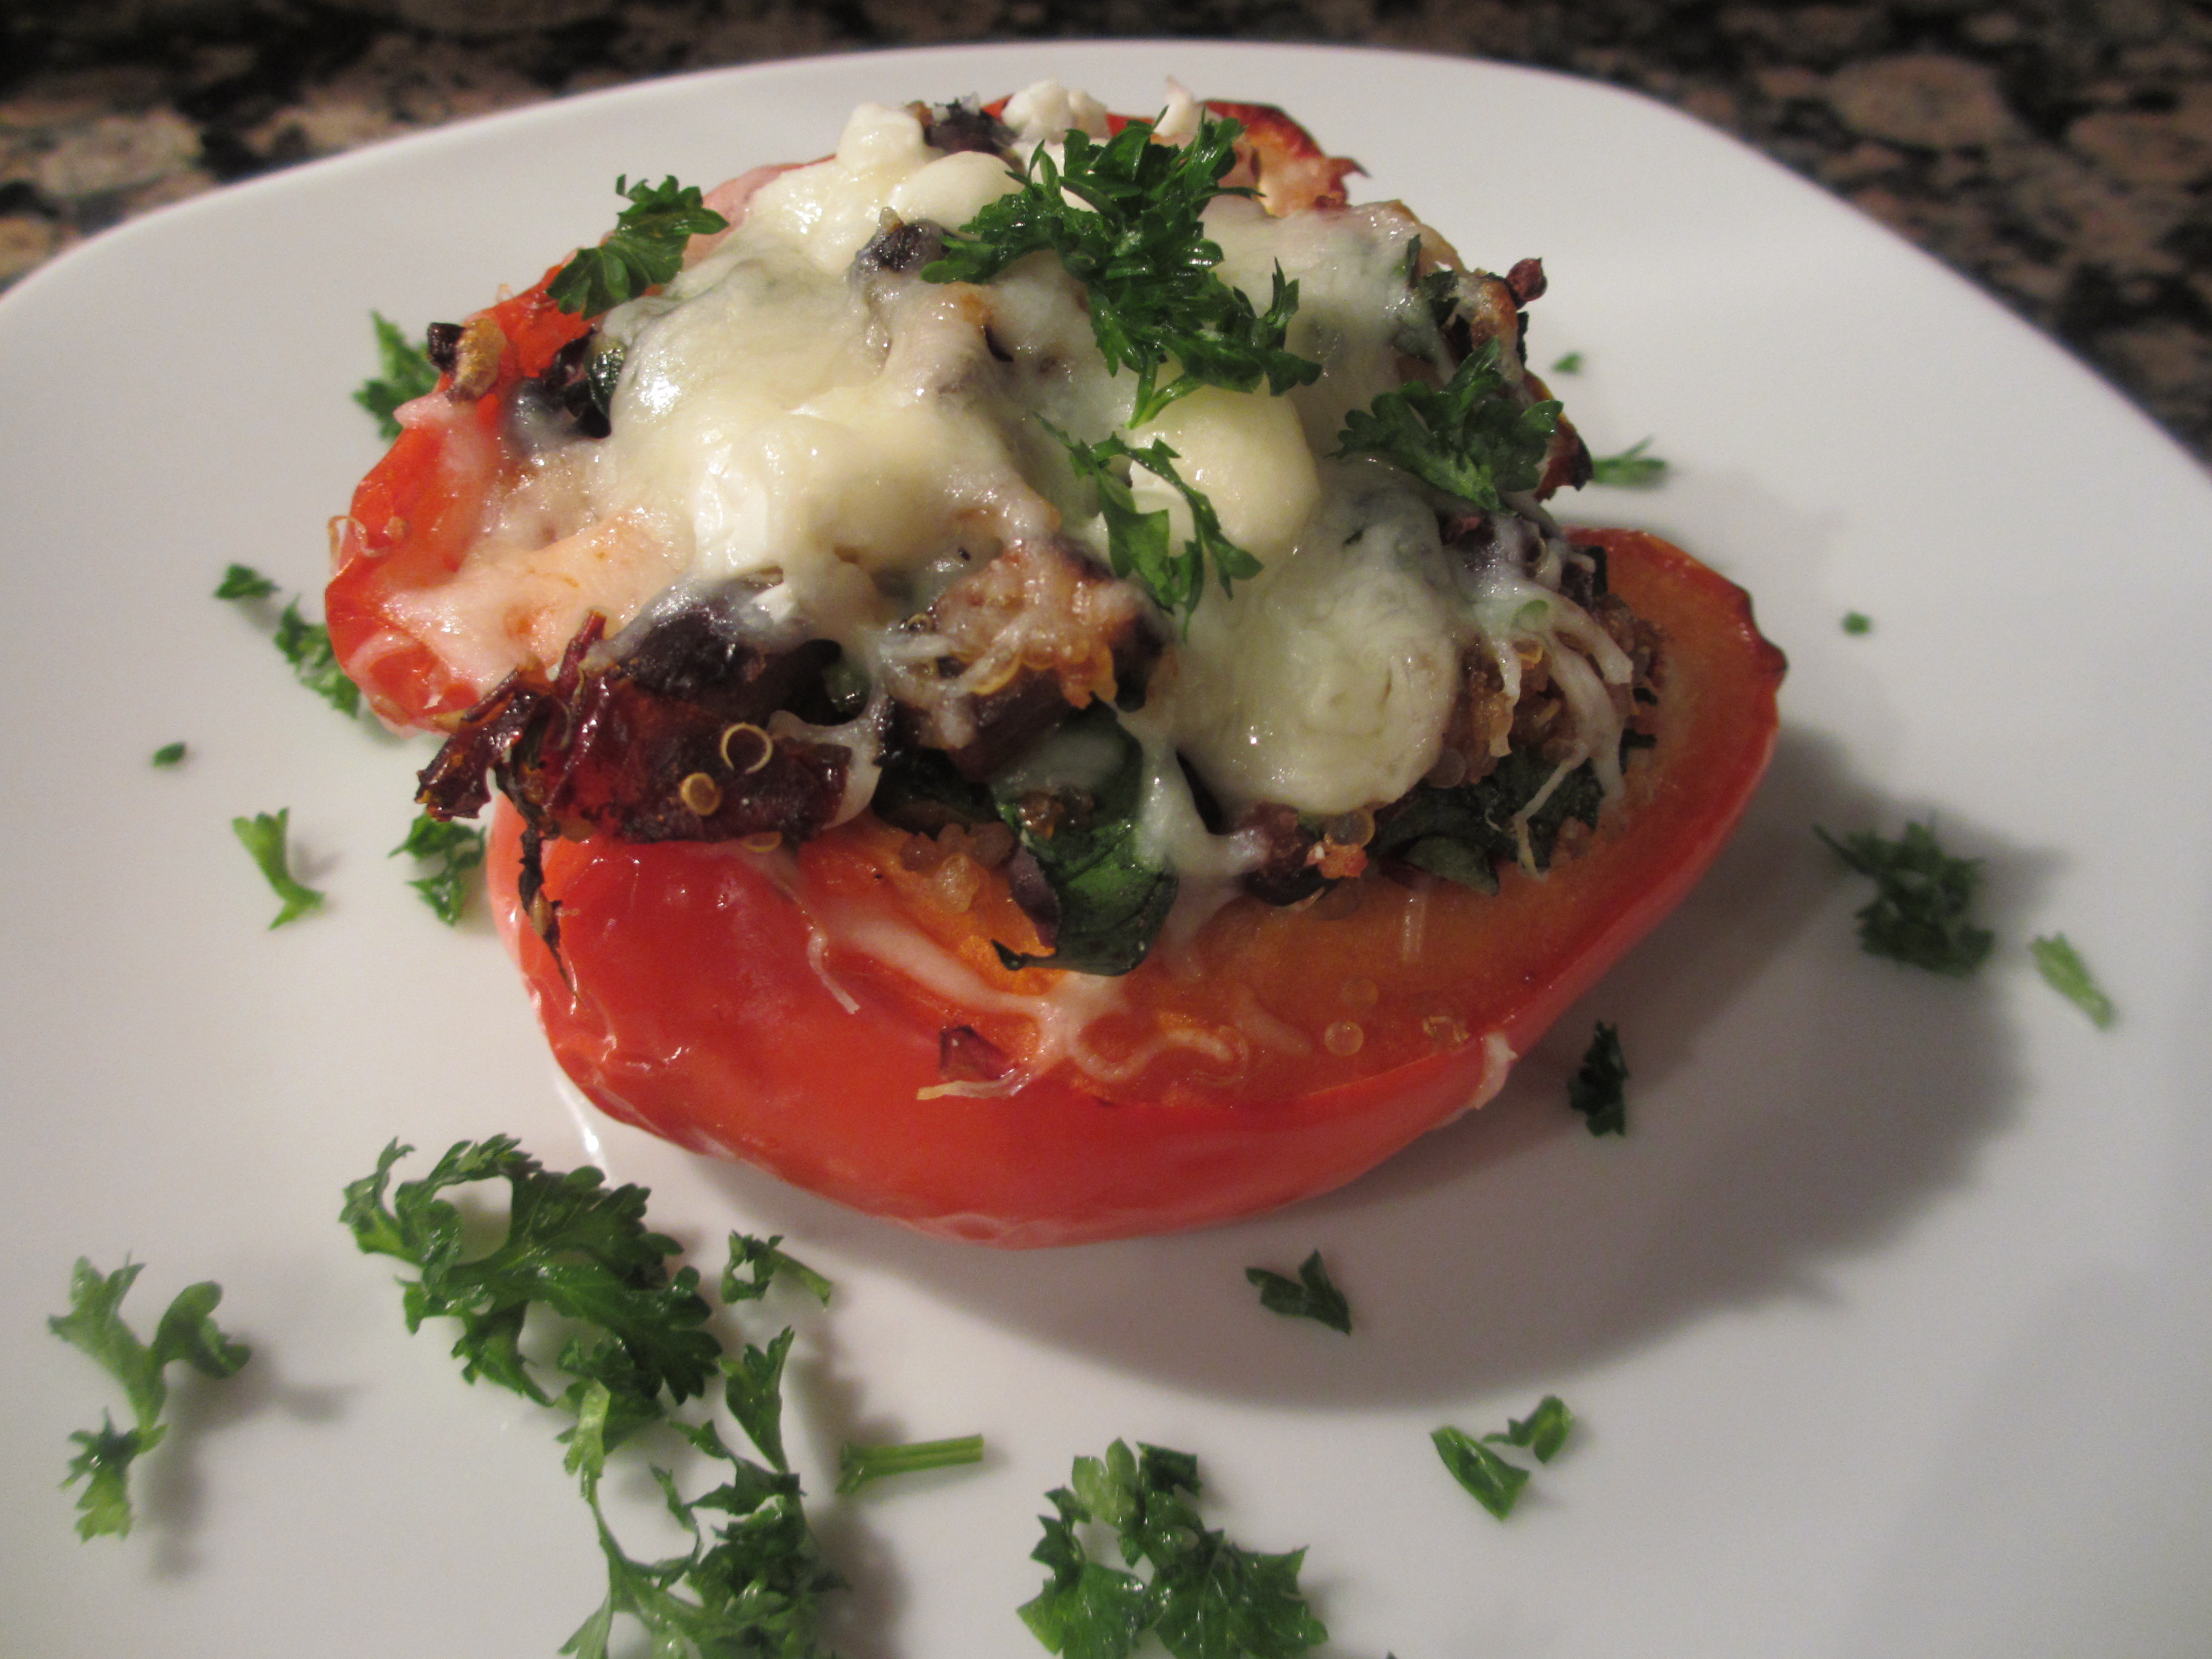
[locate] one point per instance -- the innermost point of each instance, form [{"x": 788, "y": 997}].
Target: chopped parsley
[
  {"x": 1922, "y": 895},
  {"x": 571, "y": 1245},
  {"x": 405, "y": 373},
  {"x": 168, "y": 755},
  {"x": 1598, "y": 1090},
  {"x": 264, "y": 836},
  {"x": 1570, "y": 364},
  {"x": 305, "y": 645},
  {"x": 1206, "y": 1598},
  {"x": 455, "y": 849},
  {"x": 1629, "y": 470},
  {"x": 1491, "y": 1481},
  {"x": 1138, "y": 245},
  {"x": 764, "y": 1263},
  {"x": 1858, "y": 622},
  {"x": 644, "y": 249},
  {"x": 1470, "y": 438},
  {"x": 95, "y": 1323},
  {"x": 2064, "y": 972},
  {"x": 859, "y": 1465},
  {"x": 1311, "y": 1295},
  {"x": 639, "y": 1346},
  {"x": 1139, "y": 544},
  {"x": 243, "y": 581}
]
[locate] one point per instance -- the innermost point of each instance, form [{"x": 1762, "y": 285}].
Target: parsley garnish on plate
[
  {"x": 1858, "y": 622},
  {"x": 1919, "y": 914},
  {"x": 405, "y": 373},
  {"x": 1629, "y": 470},
  {"x": 453, "y": 850},
  {"x": 1312, "y": 1295},
  {"x": 1598, "y": 1090},
  {"x": 1469, "y": 438},
  {"x": 1490, "y": 1479},
  {"x": 1139, "y": 247},
  {"x": 1139, "y": 544},
  {"x": 2064, "y": 972},
  {"x": 639, "y": 1346},
  {"x": 305, "y": 645},
  {"x": 644, "y": 249},
  {"x": 1570, "y": 364},
  {"x": 95, "y": 1323},
  {"x": 762, "y": 1262},
  {"x": 265, "y": 836},
  {"x": 169, "y": 755},
  {"x": 1206, "y": 1598}
]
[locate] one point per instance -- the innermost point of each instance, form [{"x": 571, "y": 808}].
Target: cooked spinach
[
  {"x": 1098, "y": 897},
  {"x": 1461, "y": 833}
]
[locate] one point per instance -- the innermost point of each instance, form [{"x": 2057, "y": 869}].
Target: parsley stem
[{"x": 857, "y": 1465}]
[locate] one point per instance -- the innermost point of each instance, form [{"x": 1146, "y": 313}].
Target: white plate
[{"x": 1886, "y": 1323}]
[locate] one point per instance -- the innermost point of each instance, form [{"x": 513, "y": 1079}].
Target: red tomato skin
[{"x": 689, "y": 1007}]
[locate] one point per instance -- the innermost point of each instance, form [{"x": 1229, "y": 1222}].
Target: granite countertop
[{"x": 2058, "y": 152}]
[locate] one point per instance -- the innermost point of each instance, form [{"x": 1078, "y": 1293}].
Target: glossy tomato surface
[{"x": 792, "y": 1010}]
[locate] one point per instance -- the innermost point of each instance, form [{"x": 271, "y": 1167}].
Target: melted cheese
[{"x": 852, "y": 442}]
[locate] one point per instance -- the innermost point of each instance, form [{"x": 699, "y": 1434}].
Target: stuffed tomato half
[{"x": 1032, "y": 686}]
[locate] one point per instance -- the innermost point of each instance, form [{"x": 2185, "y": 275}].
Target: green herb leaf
[
  {"x": 264, "y": 835},
  {"x": 748, "y": 1589},
  {"x": 1858, "y": 622},
  {"x": 763, "y": 1262},
  {"x": 1543, "y": 1431},
  {"x": 169, "y": 754},
  {"x": 859, "y": 1465},
  {"x": 645, "y": 248},
  {"x": 754, "y": 1388},
  {"x": 94, "y": 1324},
  {"x": 1311, "y": 1295},
  {"x": 305, "y": 645},
  {"x": 1113, "y": 900},
  {"x": 1489, "y": 1478},
  {"x": 1471, "y": 438},
  {"x": 405, "y": 373},
  {"x": 455, "y": 849},
  {"x": 1918, "y": 915},
  {"x": 1570, "y": 364},
  {"x": 1139, "y": 247},
  {"x": 2064, "y": 972},
  {"x": 243, "y": 581},
  {"x": 572, "y": 1245},
  {"x": 1206, "y": 1598},
  {"x": 1598, "y": 1090},
  {"x": 1138, "y": 542},
  {"x": 1629, "y": 470}
]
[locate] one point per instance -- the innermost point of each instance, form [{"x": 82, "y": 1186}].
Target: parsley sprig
[
  {"x": 1312, "y": 1295},
  {"x": 644, "y": 249},
  {"x": 1631, "y": 469},
  {"x": 1490, "y": 1479},
  {"x": 857, "y": 1465},
  {"x": 1918, "y": 915},
  {"x": 266, "y": 837},
  {"x": 1138, "y": 245},
  {"x": 451, "y": 851},
  {"x": 95, "y": 1323},
  {"x": 1140, "y": 544},
  {"x": 750, "y": 1584},
  {"x": 405, "y": 373},
  {"x": 1206, "y": 1598},
  {"x": 305, "y": 645},
  {"x": 1470, "y": 437}
]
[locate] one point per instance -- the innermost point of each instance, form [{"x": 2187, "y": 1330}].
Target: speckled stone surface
[{"x": 2058, "y": 151}]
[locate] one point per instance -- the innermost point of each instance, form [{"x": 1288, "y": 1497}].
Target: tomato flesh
[{"x": 706, "y": 990}]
